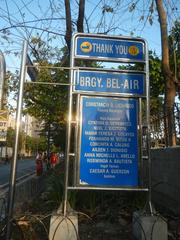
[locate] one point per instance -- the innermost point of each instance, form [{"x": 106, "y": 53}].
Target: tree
[
  {"x": 156, "y": 81},
  {"x": 170, "y": 80},
  {"x": 174, "y": 51},
  {"x": 58, "y": 20},
  {"x": 46, "y": 101},
  {"x": 34, "y": 144},
  {"x": 156, "y": 84},
  {"x": 11, "y": 138},
  {"x": 68, "y": 35},
  {"x": 80, "y": 21}
]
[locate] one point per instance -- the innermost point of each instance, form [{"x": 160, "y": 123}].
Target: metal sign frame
[{"x": 77, "y": 95}]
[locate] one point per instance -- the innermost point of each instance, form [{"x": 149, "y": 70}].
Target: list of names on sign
[{"x": 109, "y": 148}]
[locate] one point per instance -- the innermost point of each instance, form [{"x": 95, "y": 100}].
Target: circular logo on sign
[
  {"x": 86, "y": 47},
  {"x": 133, "y": 50}
]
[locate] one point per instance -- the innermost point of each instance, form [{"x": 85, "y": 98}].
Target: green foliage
[
  {"x": 46, "y": 99},
  {"x": 155, "y": 75},
  {"x": 45, "y": 103},
  {"x": 174, "y": 52},
  {"x": 54, "y": 190},
  {"x": 10, "y": 89},
  {"x": 156, "y": 79},
  {"x": 42, "y": 51},
  {"x": 11, "y": 138},
  {"x": 157, "y": 84},
  {"x": 35, "y": 144},
  {"x": 58, "y": 133}
]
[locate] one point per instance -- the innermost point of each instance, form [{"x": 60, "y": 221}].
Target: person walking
[
  {"x": 53, "y": 160},
  {"x": 6, "y": 159},
  {"x": 39, "y": 164}
]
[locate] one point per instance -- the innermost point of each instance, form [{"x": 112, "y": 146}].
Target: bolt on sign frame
[{"x": 108, "y": 116}]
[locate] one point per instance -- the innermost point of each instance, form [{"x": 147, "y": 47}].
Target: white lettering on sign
[
  {"x": 112, "y": 83},
  {"x": 131, "y": 84},
  {"x": 97, "y": 170},
  {"x": 120, "y": 49},
  {"x": 102, "y": 48},
  {"x": 90, "y": 82},
  {"x": 97, "y": 104},
  {"x": 90, "y": 122},
  {"x": 119, "y": 171},
  {"x": 108, "y": 48},
  {"x": 98, "y": 149},
  {"x": 127, "y": 84}
]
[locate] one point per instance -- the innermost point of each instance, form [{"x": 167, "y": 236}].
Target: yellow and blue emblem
[
  {"x": 86, "y": 47},
  {"x": 133, "y": 50}
]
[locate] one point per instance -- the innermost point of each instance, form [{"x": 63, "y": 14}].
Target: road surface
[{"x": 24, "y": 166}]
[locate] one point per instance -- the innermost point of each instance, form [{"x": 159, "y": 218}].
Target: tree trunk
[
  {"x": 170, "y": 86},
  {"x": 68, "y": 35},
  {"x": 80, "y": 21}
]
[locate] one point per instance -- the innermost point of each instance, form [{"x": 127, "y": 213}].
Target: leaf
[
  {"x": 132, "y": 7},
  {"x": 107, "y": 8},
  {"x": 5, "y": 37},
  {"x": 151, "y": 8},
  {"x": 141, "y": 18},
  {"x": 150, "y": 20}
]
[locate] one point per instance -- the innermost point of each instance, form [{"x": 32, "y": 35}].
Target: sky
[{"x": 121, "y": 17}]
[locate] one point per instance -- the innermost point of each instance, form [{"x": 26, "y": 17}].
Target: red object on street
[{"x": 53, "y": 159}]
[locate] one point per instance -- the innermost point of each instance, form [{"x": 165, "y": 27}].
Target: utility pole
[
  {"x": 12, "y": 184},
  {"x": 2, "y": 80}
]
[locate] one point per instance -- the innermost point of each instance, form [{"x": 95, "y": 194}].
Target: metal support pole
[
  {"x": 2, "y": 94},
  {"x": 148, "y": 129},
  {"x": 12, "y": 183},
  {"x": 141, "y": 143},
  {"x": 2, "y": 78},
  {"x": 68, "y": 134}
]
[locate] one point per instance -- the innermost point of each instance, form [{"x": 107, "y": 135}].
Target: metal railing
[{"x": 158, "y": 127}]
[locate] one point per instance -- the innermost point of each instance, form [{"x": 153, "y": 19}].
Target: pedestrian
[
  {"x": 46, "y": 161},
  {"x": 6, "y": 159},
  {"x": 39, "y": 164},
  {"x": 53, "y": 160}
]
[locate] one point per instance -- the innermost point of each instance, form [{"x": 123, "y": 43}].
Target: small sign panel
[
  {"x": 109, "y": 48},
  {"x": 109, "y": 143},
  {"x": 109, "y": 82},
  {"x": 3, "y": 125}
]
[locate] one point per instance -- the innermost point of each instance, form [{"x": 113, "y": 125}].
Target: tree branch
[
  {"x": 68, "y": 35},
  {"x": 80, "y": 21}
]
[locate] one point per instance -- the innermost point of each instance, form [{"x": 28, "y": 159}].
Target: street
[{"x": 24, "y": 166}]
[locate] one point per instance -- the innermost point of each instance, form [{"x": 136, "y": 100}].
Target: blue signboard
[
  {"x": 109, "y": 149},
  {"x": 109, "y": 82},
  {"x": 109, "y": 48}
]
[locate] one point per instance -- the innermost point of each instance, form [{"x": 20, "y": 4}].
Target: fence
[
  {"x": 158, "y": 127},
  {"x": 29, "y": 188}
]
